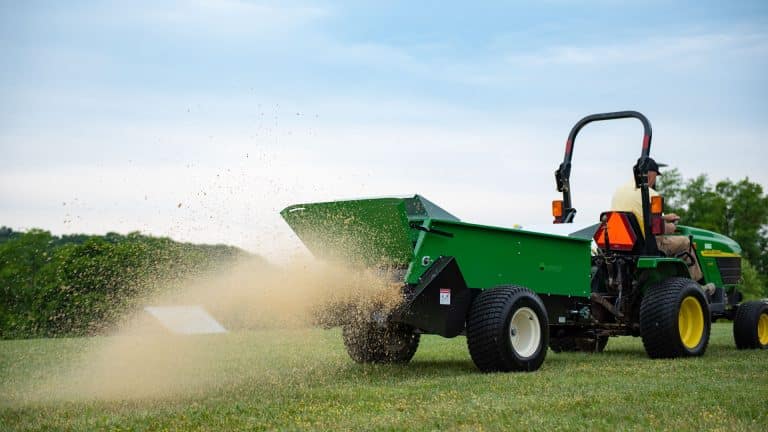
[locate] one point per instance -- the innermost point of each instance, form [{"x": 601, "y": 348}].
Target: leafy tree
[
  {"x": 670, "y": 185},
  {"x": 21, "y": 260},
  {"x": 705, "y": 206},
  {"x": 7, "y": 234},
  {"x": 746, "y": 218},
  {"x": 752, "y": 287}
]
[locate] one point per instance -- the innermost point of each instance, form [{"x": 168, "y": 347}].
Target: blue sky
[{"x": 113, "y": 114}]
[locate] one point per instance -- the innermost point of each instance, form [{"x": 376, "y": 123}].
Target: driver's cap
[{"x": 653, "y": 166}]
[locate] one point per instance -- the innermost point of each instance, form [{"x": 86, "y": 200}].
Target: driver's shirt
[{"x": 627, "y": 198}]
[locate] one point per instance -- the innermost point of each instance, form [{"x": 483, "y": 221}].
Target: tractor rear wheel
[
  {"x": 750, "y": 326},
  {"x": 370, "y": 342},
  {"x": 507, "y": 330},
  {"x": 578, "y": 344},
  {"x": 675, "y": 319}
]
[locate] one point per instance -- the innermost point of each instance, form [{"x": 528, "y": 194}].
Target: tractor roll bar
[{"x": 563, "y": 173}]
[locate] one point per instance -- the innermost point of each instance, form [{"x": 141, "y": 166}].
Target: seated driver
[{"x": 627, "y": 198}]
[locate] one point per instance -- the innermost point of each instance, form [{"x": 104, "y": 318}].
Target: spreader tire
[
  {"x": 370, "y": 342},
  {"x": 675, "y": 319},
  {"x": 578, "y": 344},
  {"x": 750, "y": 326},
  {"x": 507, "y": 330}
]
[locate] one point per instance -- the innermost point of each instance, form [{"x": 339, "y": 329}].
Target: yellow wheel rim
[
  {"x": 762, "y": 329},
  {"x": 690, "y": 322}
]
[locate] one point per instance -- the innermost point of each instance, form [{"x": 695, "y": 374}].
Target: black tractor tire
[
  {"x": 507, "y": 330},
  {"x": 370, "y": 342},
  {"x": 675, "y": 319},
  {"x": 578, "y": 344},
  {"x": 750, "y": 326}
]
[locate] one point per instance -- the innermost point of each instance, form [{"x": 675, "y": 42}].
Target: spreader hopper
[{"x": 372, "y": 232}]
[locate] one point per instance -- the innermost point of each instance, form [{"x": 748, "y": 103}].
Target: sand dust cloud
[{"x": 141, "y": 359}]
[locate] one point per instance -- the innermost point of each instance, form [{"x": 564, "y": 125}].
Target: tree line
[{"x": 75, "y": 285}]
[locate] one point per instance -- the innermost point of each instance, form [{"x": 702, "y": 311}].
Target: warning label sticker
[{"x": 445, "y": 296}]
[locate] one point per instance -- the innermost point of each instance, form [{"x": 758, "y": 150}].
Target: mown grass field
[{"x": 301, "y": 380}]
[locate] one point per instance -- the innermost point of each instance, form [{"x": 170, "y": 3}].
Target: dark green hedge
[{"x": 79, "y": 284}]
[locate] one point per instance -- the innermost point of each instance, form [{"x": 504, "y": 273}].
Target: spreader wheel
[
  {"x": 507, "y": 330},
  {"x": 674, "y": 319},
  {"x": 750, "y": 326},
  {"x": 370, "y": 342}
]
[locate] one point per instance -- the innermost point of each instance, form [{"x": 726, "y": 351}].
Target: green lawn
[{"x": 303, "y": 379}]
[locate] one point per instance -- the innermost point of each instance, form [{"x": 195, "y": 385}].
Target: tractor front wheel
[
  {"x": 750, "y": 326},
  {"x": 507, "y": 330},
  {"x": 674, "y": 319},
  {"x": 370, "y": 342}
]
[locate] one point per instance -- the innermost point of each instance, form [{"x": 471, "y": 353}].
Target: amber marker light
[
  {"x": 657, "y": 204},
  {"x": 557, "y": 208}
]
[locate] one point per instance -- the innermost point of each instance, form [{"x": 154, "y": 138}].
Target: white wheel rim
[{"x": 525, "y": 332}]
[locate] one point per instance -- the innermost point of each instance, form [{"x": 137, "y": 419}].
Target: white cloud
[
  {"x": 678, "y": 48},
  {"x": 232, "y": 17},
  {"x": 202, "y": 18}
]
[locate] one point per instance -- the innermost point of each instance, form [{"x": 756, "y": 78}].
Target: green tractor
[{"x": 515, "y": 293}]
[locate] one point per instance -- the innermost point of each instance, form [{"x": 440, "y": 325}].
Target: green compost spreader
[{"x": 515, "y": 292}]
